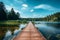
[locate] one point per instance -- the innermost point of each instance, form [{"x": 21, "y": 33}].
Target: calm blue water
[{"x": 48, "y": 29}]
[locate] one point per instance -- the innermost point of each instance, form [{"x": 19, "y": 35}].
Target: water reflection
[
  {"x": 16, "y": 31},
  {"x": 50, "y": 30},
  {"x": 56, "y": 25},
  {"x": 6, "y": 31},
  {"x": 22, "y": 26},
  {"x": 7, "y": 35}
]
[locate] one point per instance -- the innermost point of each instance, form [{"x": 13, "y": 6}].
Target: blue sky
[{"x": 33, "y": 8}]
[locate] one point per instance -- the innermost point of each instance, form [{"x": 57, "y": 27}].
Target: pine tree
[{"x": 3, "y": 15}]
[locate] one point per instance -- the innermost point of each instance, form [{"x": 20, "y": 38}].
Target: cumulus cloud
[
  {"x": 32, "y": 16},
  {"x": 44, "y": 6},
  {"x": 24, "y": 5},
  {"x": 31, "y": 10},
  {"x": 10, "y": 7}
]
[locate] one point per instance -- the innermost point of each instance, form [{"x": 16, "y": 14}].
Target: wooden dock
[{"x": 30, "y": 32}]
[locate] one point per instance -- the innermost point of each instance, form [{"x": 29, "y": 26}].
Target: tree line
[
  {"x": 8, "y": 15},
  {"x": 53, "y": 17}
]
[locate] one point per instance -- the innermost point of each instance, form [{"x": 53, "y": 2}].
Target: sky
[{"x": 33, "y": 8}]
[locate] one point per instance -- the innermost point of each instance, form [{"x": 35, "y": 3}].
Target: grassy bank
[
  {"x": 9, "y": 22},
  {"x": 12, "y": 22}
]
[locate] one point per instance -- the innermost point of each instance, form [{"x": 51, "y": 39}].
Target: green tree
[
  {"x": 13, "y": 15},
  {"x": 3, "y": 14},
  {"x": 18, "y": 15}
]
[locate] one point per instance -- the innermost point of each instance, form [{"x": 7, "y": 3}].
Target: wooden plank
[{"x": 30, "y": 33}]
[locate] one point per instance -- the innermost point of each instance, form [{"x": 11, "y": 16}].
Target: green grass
[{"x": 10, "y": 22}]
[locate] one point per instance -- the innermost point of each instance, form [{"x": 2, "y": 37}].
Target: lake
[{"x": 50, "y": 30}]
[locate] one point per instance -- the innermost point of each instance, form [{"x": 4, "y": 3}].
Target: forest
[{"x": 7, "y": 15}]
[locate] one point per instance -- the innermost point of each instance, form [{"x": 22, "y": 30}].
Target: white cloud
[
  {"x": 16, "y": 10},
  {"x": 31, "y": 10},
  {"x": 44, "y": 6},
  {"x": 24, "y": 16},
  {"x": 32, "y": 16},
  {"x": 24, "y": 5},
  {"x": 10, "y": 7}
]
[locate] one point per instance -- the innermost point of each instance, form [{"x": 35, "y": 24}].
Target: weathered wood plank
[{"x": 30, "y": 33}]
